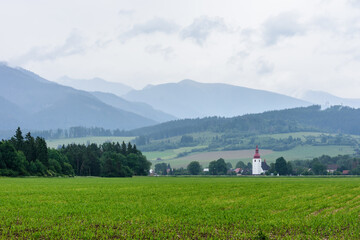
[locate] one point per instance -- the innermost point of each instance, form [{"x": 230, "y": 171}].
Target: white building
[{"x": 258, "y": 167}]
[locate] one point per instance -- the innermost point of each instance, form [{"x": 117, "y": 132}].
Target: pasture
[
  {"x": 182, "y": 156},
  {"x": 180, "y": 208},
  {"x": 305, "y": 152}
]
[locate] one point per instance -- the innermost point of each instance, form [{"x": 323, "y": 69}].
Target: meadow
[
  {"x": 180, "y": 208},
  {"x": 182, "y": 156},
  {"x": 305, "y": 152}
]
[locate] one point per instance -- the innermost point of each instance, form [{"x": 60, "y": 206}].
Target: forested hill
[{"x": 336, "y": 119}]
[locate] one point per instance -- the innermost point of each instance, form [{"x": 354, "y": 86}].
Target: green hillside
[
  {"x": 305, "y": 152},
  {"x": 182, "y": 156}
]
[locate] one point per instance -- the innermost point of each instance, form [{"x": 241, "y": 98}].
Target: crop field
[
  {"x": 297, "y": 153},
  {"x": 86, "y": 140},
  {"x": 310, "y": 152},
  {"x": 205, "y": 157},
  {"x": 180, "y": 208},
  {"x": 170, "y": 153}
]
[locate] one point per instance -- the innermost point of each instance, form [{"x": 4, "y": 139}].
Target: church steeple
[
  {"x": 257, "y": 155},
  {"x": 256, "y": 163}
]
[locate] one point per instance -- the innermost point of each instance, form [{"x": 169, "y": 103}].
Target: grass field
[
  {"x": 180, "y": 208},
  {"x": 205, "y": 157},
  {"x": 85, "y": 140},
  {"x": 170, "y": 156},
  {"x": 299, "y": 152}
]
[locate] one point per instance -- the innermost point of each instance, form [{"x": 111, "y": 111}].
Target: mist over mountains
[
  {"x": 326, "y": 99},
  {"x": 95, "y": 84},
  {"x": 190, "y": 99},
  {"x": 34, "y": 103},
  {"x": 139, "y": 108}
]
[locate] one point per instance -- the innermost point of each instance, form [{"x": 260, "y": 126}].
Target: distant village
[{"x": 260, "y": 167}]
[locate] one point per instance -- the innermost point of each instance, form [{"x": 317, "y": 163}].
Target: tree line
[
  {"x": 77, "y": 132},
  {"x": 336, "y": 119},
  {"x": 216, "y": 167},
  {"x": 324, "y": 165},
  {"x": 29, "y": 156}
]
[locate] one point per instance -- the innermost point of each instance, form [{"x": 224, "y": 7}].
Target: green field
[
  {"x": 298, "y": 153},
  {"x": 180, "y": 208},
  {"x": 86, "y": 140},
  {"x": 172, "y": 155}
]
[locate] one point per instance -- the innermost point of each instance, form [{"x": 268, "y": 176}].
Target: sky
[{"x": 283, "y": 46}]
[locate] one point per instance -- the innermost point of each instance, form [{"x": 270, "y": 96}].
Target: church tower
[{"x": 256, "y": 163}]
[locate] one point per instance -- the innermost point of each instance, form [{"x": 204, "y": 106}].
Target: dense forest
[
  {"x": 336, "y": 119},
  {"x": 30, "y": 156}
]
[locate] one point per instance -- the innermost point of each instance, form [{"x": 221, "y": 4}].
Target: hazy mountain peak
[
  {"x": 191, "y": 99},
  {"x": 139, "y": 108},
  {"x": 95, "y": 84},
  {"x": 50, "y": 105},
  {"x": 188, "y": 81},
  {"x": 326, "y": 99},
  {"x": 148, "y": 86}
]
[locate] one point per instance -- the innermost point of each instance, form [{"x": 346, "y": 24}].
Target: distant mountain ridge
[
  {"x": 139, "y": 108},
  {"x": 326, "y": 99},
  {"x": 95, "y": 84},
  {"x": 32, "y": 102},
  {"x": 190, "y": 99}
]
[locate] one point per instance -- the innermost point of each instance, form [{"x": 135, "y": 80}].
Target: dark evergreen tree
[
  {"x": 42, "y": 151},
  {"x": 129, "y": 148},
  {"x": 18, "y": 140},
  {"x": 30, "y": 148},
  {"x": 114, "y": 165},
  {"x": 123, "y": 148}
]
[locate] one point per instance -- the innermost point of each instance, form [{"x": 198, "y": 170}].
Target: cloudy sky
[{"x": 280, "y": 45}]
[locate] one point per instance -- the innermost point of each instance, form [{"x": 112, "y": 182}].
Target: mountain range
[
  {"x": 326, "y": 99},
  {"x": 190, "y": 99},
  {"x": 139, "y": 108},
  {"x": 95, "y": 84},
  {"x": 34, "y": 103}
]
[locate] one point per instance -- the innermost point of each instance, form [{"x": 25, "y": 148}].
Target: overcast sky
[{"x": 282, "y": 46}]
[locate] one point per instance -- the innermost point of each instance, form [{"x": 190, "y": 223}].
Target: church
[{"x": 258, "y": 167}]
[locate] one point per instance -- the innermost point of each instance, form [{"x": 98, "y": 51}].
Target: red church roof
[{"x": 257, "y": 155}]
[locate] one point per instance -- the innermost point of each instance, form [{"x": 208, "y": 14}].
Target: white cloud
[
  {"x": 238, "y": 59},
  {"x": 73, "y": 45},
  {"x": 126, "y": 12},
  {"x": 155, "y": 25},
  {"x": 354, "y": 3},
  {"x": 277, "y": 45},
  {"x": 281, "y": 26},
  {"x": 202, "y": 27},
  {"x": 264, "y": 67},
  {"x": 166, "y": 52}
]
